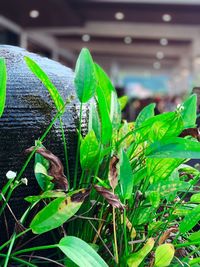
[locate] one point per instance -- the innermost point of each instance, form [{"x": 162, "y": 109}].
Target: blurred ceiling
[{"x": 130, "y": 32}]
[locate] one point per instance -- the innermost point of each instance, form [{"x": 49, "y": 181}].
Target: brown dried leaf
[
  {"x": 112, "y": 199},
  {"x": 56, "y": 169},
  {"x": 112, "y": 177},
  {"x": 81, "y": 195},
  {"x": 166, "y": 234},
  {"x": 194, "y": 132}
]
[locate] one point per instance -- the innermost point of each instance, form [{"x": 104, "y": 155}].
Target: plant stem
[
  {"x": 186, "y": 244},
  {"x": 20, "y": 260},
  {"x": 65, "y": 150},
  {"x": 125, "y": 233},
  {"x": 115, "y": 236},
  {"x": 34, "y": 249},
  {"x": 78, "y": 147}
]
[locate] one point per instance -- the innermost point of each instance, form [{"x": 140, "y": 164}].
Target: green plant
[{"x": 136, "y": 202}]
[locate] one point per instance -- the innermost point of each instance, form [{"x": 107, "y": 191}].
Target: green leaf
[
  {"x": 56, "y": 213},
  {"x": 80, "y": 252},
  {"x": 89, "y": 151},
  {"x": 194, "y": 236},
  {"x": 164, "y": 255},
  {"x": 46, "y": 194},
  {"x": 3, "y": 81},
  {"x": 160, "y": 127},
  {"x": 123, "y": 100},
  {"x": 165, "y": 187},
  {"x": 125, "y": 176},
  {"x": 144, "y": 216},
  {"x": 41, "y": 171},
  {"x": 195, "y": 198},
  {"x": 154, "y": 198},
  {"x": 85, "y": 80},
  {"x": 189, "y": 111},
  {"x": 136, "y": 258},
  {"x": 146, "y": 113},
  {"x": 190, "y": 220},
  {"x": 174, "y": 147},
  {"x": 110, "y": 96},
  {"x": 106, "y": 125},
  {"x": 160, "y": 169},
  {"x": 42, "y": 76},
  {"x": 94, "y": 121}
]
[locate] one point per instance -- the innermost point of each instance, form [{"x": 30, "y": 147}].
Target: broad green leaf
[
  {"x": 124, "y": 130},
  {"x": 195, "y": 236},
  {"x": 181, "y": 212},
  {"x": 195, "y": 262},
  {"x": 56, "y": 213},
  {"x": 139, "y": 175},
  {"x": 189, "y": 111},
  {"x": 42, "y": 76},
  {"x": 123, "y": 100},
  {"x": 190, "y": 220},
  {"x": 3, "y": 80},
  {"x": 146, "y": 113},
  {"x": 160, "y": 169},
  {"x": 160, "y": 127},
  {"x": 165, "y": 187},
  {"x": 85, "y": 80},
  {"x": 195, "y": 198},
  {"x": 94, "y": 120},
  {"x": 46, "y": 194},
  {"x": 89, "y": 151},
  {"x": 144, "y": 216},
  {"x": 125, "y": 176},
  {"x": 110, "y": 96},
  {"x": 154, "y": 198},
  {"x": 164, "y": 255},
  {"x": 41, "y": 171},
  {"x": 106, "y": 125},
  {"x": 80, "y": 252},
  {"x": 174, "y": 147},
  {"x": 135, "y": 259}
]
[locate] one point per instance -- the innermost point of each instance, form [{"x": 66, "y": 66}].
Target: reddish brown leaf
[
  {"x": 56, "y": 169},
  {"x": 167, "y": 234},
  {"x": 112, "y": 199},
  {"x": 194, "y": 132},
  {"x": 113, "y": 172}
]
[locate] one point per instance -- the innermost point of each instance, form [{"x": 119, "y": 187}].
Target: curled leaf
[
  {"x": 113, "y": 172},
  {"x": 167, "y": 234},
  {"x": 112, "y": 199},
  {"x": 56, "y": 169},
  {"x": 194, "y": 132}
]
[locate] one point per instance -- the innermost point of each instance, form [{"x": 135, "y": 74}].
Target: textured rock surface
[{"x": 29, "y": 110}]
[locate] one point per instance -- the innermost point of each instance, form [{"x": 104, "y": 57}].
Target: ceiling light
[
  {"x": 34, "y": 13},
  {"x": 166, "y": 18},
  {"x": 156, "y": 65},
  {"x": 163, "y": 41},
  {"x": 119, "y": 15},
  {"x": 160, "y": 55},
  {"x": 127, "y": 40},
  {"x": 86, "y": 37}
]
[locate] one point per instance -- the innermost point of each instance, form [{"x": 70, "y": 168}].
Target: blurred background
[{"x": 149, "y": 48}]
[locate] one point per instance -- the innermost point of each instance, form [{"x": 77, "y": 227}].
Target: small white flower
[
  {"x": 11, "y": 175},
  {"x": 24, "y": 181}
]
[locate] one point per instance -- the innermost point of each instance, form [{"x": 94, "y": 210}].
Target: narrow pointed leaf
[
  {"x": 85, "y": 80},
  {"x": 43, "y": 77},
  {"x": 123, "y": 100},
  {"x": 190, "y": 220},
  {"x": 189, "y": 111},
  {"x": 80, "y": 252},
  {"x": 125, "y": 176},
  {"x": 3, "y": 80}
]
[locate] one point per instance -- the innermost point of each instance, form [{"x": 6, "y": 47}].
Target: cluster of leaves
[{"x": 136, "y": 201}]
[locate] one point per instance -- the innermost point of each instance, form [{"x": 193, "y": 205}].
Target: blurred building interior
[{"x": 150, "y": 48}]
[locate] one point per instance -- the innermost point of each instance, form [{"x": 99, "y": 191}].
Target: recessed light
[
  {"x": 156, "y": 65},
  {"x": 127, "y": 40},
  {"x": 160, "y": 55},
  {"x": 119, "y": 15},
  {"x": 34, "y": 13},
  {"x": 163, "y": 41},
  {"x": 166, "y": 17},
  {"x": 86, "y": 37}
]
